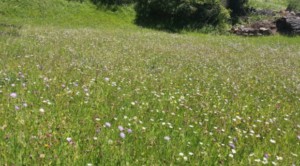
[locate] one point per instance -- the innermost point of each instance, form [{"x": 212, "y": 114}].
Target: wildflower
[
  {"x": 232, "y": 146},
  {"x": 167, "y": 138},
  {"x": 120, "y": 128},
  {"x": 13, "y": 95},
  {"x": 181, "y": 154},
  {"x": 106, "y": 79},
  {"x": 298, "y": 137},
  {"x": 129, "y": 130},
  {"x": 233, "y": 151},
  {"x": 107, "y": 124},
  {"x": 185, "y": 158},
  {"x": 279, "y": 158},
  {"x": 42, "y": 110},
  {"x": 257, "y": 160},
  {"x": 265, "y": 161},
  {"x": 69, "y": 139},
  {"x": 231, "y": 155},
  {"x": 266, "y": 155},
  {"x": 17, "y": 107},
  {"x": 122, "y": 135},
  {"x": 89, "y": 164},
  {"x": 191, "y": 153},
  {"x": 272, "y": 141}
]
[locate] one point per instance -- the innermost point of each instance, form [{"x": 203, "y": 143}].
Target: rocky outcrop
[
  {"x": 285, "y": 22},
  {"x": 259, "y": 28},
  {"x": 289, "y": 23}
]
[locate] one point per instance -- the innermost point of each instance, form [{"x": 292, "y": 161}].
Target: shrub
[
  {"x": 178, "y": 14},
  {"x": 294, "y": 5}
]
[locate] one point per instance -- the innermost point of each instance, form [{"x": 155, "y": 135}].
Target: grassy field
[{"x": 80, "y": 86}]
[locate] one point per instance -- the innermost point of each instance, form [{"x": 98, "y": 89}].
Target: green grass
[
  {"x": 205, "y": 92},
  {"x": 276, "y": 5},
  {"x": 64, "y": 14}
]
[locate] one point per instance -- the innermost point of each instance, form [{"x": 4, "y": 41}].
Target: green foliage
[
  {"x": 294, "y": 5},
  {"x": 178, "y": 14}
]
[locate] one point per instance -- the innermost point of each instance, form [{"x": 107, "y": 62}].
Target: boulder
[{"x": 289, "y": 24}]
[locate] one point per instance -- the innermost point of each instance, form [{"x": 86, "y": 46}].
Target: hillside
[{"x": 85, "y": 86}]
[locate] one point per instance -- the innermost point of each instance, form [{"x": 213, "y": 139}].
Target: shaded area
[
  {"x": 176, "y": 17},
  {"x": 9, "y": 29},
  {"x": 289, "y": 25}
]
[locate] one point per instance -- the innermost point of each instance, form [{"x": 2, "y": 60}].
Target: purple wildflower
[
  {"x": 69, "y": 139},
  {"x": 120, "y": 128},
  {"x": 129, "y": 130},
  {"x": 231, "y": 145},
  {"x": 266, "y": 155},
  {"x": 17, "y": 107},
  {"x": 122, "y": 135},
  {"x": 13, "y": 95}
]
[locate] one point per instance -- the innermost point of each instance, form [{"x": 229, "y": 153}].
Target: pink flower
[
  {"x": 129, "y": 130},
  {"x": 122, "y": 135},
  {"x": 13, "y": 95},
  {"x": 120, "y": 128}
]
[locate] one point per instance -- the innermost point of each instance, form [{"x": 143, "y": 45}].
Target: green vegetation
[
  {"x": 269, "y": 4},
  {"x": 63, "y": 13},
  {"x": 85, "y": 86},
  {"x": 294, "y": 5},
  {"x": 177, "y": 14}
]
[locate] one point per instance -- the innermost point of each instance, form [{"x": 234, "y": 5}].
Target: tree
[{"x": 178, "y": 14}]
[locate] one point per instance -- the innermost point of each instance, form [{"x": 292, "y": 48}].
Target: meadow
[{"x": 85, "y": 86}]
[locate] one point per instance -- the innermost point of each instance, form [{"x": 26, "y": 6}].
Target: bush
[
  {"x": 294, "y": 5},
  {"x": 178, "y": 14}
]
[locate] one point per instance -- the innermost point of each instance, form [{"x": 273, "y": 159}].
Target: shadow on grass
[{"x": 9, "y": 30}]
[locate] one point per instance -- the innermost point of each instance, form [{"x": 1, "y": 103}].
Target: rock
[
  {"x": 263, "y": 29},
  {"x": 289, "y": 25},
  {"x": 256, "y": 29}
]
